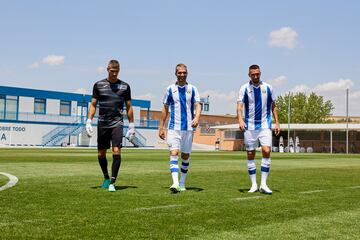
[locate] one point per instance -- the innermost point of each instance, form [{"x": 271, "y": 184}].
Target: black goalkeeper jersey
[{"x": 111, "y": 98}]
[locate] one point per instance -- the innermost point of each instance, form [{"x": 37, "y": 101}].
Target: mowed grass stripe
[
  {"x": 333, "y": 225},
  {"x": 157, "y": 207},
  {"x": 59, "y": 196},
  {"x": 3, "y": 180}
]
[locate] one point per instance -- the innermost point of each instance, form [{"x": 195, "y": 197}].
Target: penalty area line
[{"x": 12, "y": 181}]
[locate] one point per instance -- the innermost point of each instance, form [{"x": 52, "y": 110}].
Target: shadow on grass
[
  {"x": 194, "y": 189},
  {"x": 245, "y": 190},
  {"x": 116, "y": 187}
]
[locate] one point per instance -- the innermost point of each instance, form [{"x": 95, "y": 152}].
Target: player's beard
[
  {"x": 181, "y": 81},
  {"x": 255, "y": 81}
]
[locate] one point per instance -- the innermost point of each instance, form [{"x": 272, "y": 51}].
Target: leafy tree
[{"x": 304, "y": 109}]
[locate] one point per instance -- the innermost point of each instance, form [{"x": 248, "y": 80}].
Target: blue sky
[{"x": 300, "y": 46}]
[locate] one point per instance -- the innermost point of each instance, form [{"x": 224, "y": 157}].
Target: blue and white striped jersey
[
  {"x": 257, "y": 105},
  {"x": 181, "y": 101}
]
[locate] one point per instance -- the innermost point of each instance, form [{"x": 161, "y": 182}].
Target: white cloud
[
  {"x": 354, "y": 95},
  {"x": 284, "y": 37},
  {"x": 335, "y": 92},
  {"x": 278, "y": 81},
  {"x": 300, "y": 88},
  {"x": 53, "y": 60},
  {"x": 219, "y": 96},
  {"x": 341, "y": 84},
  {"x": 34, "y": 65},
  {"x": 100, "y": 69},
  {"x": 339, "y": 102},
  {"x": 329, "y": 87},
  {"x": 81, "y": 91},
  {"x": 147, "y": 96},
  {"x": 221, "y": 102}
]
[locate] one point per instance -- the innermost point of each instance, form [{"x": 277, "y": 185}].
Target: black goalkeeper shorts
[{"x": 107, "y": 135}]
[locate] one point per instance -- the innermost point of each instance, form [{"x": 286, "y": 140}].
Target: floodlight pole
[
  {"x": 347, "y": 121},
  {"x": 289, "y": 115}
]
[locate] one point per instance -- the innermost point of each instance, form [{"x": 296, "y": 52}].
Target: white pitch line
[
  {"x": 156, "y": 207},
  {"x": 12, "y": 181},
  {"x": 314, "y": 191},
  {"x": 354, "y": 187},
  {"x": 247, "y": 198}
]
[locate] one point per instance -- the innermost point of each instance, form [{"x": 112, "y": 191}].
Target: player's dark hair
[
  {"x": 114, "y": 63},
  {"x": 254, "y": 66}
]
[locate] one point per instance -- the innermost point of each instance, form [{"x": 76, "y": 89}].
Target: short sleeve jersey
[
  {"x": 111, "y": 98},
  {"x": 181, "y": 101},
  {"x": 257, "y": 105}
]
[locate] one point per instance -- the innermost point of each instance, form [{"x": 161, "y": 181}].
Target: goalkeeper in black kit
[{"x": 111, "y": 93}]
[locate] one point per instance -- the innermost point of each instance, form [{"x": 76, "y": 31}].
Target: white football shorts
[
  {"x": 252, "y": 137},
  {"x": 179, "y": 140}
]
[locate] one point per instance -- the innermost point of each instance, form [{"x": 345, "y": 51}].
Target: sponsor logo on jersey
[{"x": 122, "y": 87}]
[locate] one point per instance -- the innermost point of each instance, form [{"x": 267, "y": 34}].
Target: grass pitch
[{"x": 58, "y": 196}]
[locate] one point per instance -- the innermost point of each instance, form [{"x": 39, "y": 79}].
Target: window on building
[
  {"x": 39, "y": 105},
  {"x": 206, "y": 107},
  {"x": 65, "y": 108},
  {"x": 205, "y": 129},
  {"x": 97, "y": 110},
  {"x": 11, "y": 106},
  {"x": 2, "y": 106},
  {"x": 205, "y": 104},
  {"x": 233, "y": 134}
]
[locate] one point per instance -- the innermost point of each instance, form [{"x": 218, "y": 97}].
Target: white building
[{"x": 49, "y": 118}]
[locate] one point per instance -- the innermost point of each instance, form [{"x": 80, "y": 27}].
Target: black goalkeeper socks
[
  {"x": 115, "y": 167},
  {"x": 103, "y": 164}
]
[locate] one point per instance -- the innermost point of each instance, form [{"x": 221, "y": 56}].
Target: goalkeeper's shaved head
[
  {"x": 113, "y": 69},
  {"x": 113, "y": 64}
]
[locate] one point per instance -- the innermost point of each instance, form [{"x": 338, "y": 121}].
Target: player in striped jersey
[
  {"x": 257, "y": 100},
  {"x": 183, "y": 99}
]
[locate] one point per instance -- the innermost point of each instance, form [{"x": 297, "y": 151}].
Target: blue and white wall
[{"x": 22, "y": 124}]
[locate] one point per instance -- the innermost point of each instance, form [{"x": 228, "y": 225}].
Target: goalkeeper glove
[
  {"x": 130, "y": 135},
  {"x": 89, "y": 129}
]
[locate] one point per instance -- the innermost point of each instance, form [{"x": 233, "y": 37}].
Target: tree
[{"x": 304, "y": 109}]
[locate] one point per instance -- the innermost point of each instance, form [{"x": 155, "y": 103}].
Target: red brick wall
[{"x": 205, "y": 121}]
